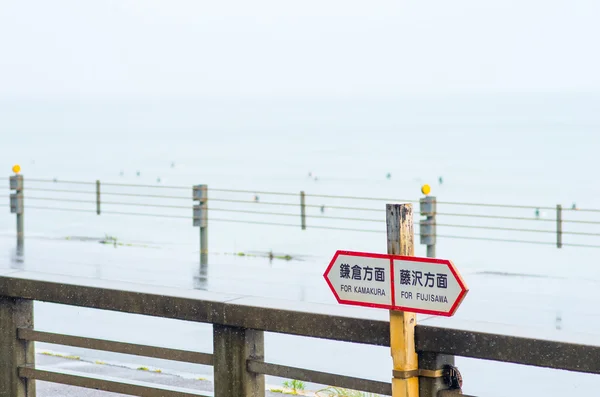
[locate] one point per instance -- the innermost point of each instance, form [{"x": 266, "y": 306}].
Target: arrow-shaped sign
[{"x": 407, "y": 283}]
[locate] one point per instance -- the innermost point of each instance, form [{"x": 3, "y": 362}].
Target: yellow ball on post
[
  {"x": 16, "y": 168},
  {"x": 425, "y": 189}
]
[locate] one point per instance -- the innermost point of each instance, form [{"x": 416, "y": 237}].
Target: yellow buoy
[
  {"x": 16, "y": 168},
  {"x": 425, "y": 189}
]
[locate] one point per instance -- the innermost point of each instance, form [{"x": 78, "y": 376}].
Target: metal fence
[{"x": 543, "y": 225}]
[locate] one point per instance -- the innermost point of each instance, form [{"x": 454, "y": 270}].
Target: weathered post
[
  {"x": 400, "y": 241},
  {"x": 558, "y": 226},
  {"x": 16, "y": 203},
  {"x": 98, "y": 197},
  {"x": 303, "y": 210},
  {"x": 15, "y": 313},
  {"x": 232, "y": 348},
  {"x": 200, "y": 194},
  {"x": 428, "y": 209}
]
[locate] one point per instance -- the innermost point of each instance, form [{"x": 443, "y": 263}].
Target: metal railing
[
  {"x": 238, "y": 326},
  {"x": 567, "y": 227}
]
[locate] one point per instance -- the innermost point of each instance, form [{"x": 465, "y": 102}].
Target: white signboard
[
  {"x": 407, "y": 283},
  {"x": 361, "y": 279},
  {"x": 426, "y": 286}
]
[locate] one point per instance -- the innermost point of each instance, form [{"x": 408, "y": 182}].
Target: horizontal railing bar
[
  {"x": 190, "y": 197},
  {"x": 361, "y": 198},
  {"x": 149, "y": 186},
  {"x": 508, "y": 229},
  {"x": 60, "y": 181},
  {"x": 253, "y": 192},
  {"x": 115, "y": 347},
  {"x": 324, "y": 378},
  {"x": 510, "y": 349},
  {"x": 35, "y": 189},
  {"x": 106, "y": 383},
  {"x": 205, "y": 307},
  {"x": 517, "y": 206}
]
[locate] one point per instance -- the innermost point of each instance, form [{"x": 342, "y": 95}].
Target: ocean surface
[{"x": 528, "y": 150}]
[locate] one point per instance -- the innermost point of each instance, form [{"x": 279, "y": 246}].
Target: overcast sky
[{"x": 145, "y": 48}]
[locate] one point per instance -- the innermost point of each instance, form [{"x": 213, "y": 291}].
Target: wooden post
[
  {"x": 400, "y": 241},
  {"x": 558, "y": 226},
  {"x": 15, "y": 313},
  {"x": 303, "y": 210},
  {"x": 98, "y": 197},
  {"x": 232, "y": 347}
]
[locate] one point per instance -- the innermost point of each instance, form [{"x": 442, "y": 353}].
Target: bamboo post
[{"x": 400, "y": 241}]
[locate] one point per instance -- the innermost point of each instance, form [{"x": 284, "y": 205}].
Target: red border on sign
[
  {"x": 445, "y": 262},
  {"x": 463, "y": 286},
  {"x": 356, "y": 303}
]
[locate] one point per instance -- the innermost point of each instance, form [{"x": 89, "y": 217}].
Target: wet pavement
[
  {"x": 551, "y": 307},
  {"x": 99, "y": 368}
]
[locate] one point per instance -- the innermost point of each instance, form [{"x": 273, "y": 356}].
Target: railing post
[
  {"x": 17, "y": 204},
  {"x": 428, "y": 230},
  {"x": 98, "y": 197},
  {"x": 400, "y": 241},
  {"x": 200, "y": 194},
  {"x": 303, "y": 210},
  {"x": 434, "y": 364},
  {"x": 232, "y": 347},
  {"x": 558, "y": 226},
  {"x": 15, "y": 313}
]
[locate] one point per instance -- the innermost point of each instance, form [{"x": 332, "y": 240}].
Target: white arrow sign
[{"x": 412, "y": 284}]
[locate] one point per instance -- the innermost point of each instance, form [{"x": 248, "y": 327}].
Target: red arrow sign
[{"x": 408, "y": 283}]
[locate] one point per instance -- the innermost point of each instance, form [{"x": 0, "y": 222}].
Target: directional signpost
[{"x": 405, "y": 285}]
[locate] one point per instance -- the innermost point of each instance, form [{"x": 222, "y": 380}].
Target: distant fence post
[
  {"x": 303, "y": 210},
  {"x": 17, "y": 205},
  {"x": 428, "y": 229},
  {"x": 558, "y": 226},
  {"x": 15, "y": 313},
  {"x": 200, "y": 214},
  {"x": 232, "y": 348},
  {"x": 98, "y": 197}
]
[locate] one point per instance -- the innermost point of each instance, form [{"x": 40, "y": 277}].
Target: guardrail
[
  {"x": 565, "y": 227},
  {"x": 239, "y": 324}
]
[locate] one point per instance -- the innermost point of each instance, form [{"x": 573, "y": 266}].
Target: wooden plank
[
  {"x": 106, "y": 383},
  {"x": 116, "y": 347},
  {"x": 324, "y": 378},
  {"x": 510, "y": 349},
  {"x": 400, "y": 241},
  {"x": 295, "y": 318}
]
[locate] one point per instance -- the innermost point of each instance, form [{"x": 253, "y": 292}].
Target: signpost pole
[{"x": 400, "y": 241}]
